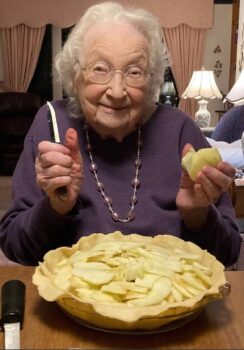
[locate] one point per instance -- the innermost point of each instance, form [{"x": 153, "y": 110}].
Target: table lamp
[
  {"x": 236, "y": 94},
  {"x": 202, "y": 86}
]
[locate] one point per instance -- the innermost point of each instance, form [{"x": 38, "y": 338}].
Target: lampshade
[
  {"x": 202, "y": 85},
  {"x": 236, "y": 94}
]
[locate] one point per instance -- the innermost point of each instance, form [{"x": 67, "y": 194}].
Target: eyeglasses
[{"x": 102, "y": 73}]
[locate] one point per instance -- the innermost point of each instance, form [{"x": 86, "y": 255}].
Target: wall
[
  {"x": 240, "y": 41},
  {"x": 219, "y": 37},
  {"x": 1, "y": 63}
]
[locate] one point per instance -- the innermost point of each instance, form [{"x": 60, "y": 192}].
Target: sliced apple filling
[{"x": 135, "y": 274}]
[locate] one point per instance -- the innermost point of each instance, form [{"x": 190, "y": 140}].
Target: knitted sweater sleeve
[{"x": 31, "y": 227}]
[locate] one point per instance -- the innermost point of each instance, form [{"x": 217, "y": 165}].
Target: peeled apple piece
[{"x": 193, "y": 161}]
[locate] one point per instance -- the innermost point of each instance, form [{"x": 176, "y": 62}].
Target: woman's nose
[{"x": 117, "y": 86}]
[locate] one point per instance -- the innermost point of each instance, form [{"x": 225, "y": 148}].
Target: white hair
[{"x": 68, "y": 61}]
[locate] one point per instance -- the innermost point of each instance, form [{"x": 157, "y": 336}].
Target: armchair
[{"x": 17, "y": 112}]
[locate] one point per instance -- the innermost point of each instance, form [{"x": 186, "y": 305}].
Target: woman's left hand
[{"x": 194, "y": 198}]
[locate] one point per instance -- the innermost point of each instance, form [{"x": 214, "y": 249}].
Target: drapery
[
  {"x": 65, "y": 13},
  {"x": 186, "y": 47},
  {"x": 21, "y": 48},
  {"x": 172, "y": 14}
]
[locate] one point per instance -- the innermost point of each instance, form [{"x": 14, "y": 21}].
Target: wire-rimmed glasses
[{"x": 102, "y": 73}]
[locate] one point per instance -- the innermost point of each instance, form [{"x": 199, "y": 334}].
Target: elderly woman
[{"x": 118, "y": 165}]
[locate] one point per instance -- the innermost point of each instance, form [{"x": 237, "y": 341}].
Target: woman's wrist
[
  {"x": 194, "y": 219},
  {"x": 61, "y": 207}
]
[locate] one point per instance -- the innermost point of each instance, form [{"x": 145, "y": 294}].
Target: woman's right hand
[{"x": 58, "y": 166}]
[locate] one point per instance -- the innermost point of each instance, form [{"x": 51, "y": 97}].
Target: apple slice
[
  {"x": 93, "y": 276},
  {"x": 157, "y": 294},
  {"x": 193, "y": 161}
]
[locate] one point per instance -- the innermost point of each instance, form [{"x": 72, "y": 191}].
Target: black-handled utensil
[{"x": 13, "y": 306}]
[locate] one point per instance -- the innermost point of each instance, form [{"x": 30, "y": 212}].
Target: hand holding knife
[
  {"x": 13, "y": 304},
  {"x": 53, "y": 126}
]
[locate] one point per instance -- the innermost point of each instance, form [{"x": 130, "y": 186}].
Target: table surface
[{"x": 219, "y": 326}]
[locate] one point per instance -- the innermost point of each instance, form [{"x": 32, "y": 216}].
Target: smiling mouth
[{"x": 112, "y": 110}]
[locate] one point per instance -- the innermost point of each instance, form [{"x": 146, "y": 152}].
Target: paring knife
[
  {"x": 13, "y": 305},
  {"x": 53, "y": 127}
]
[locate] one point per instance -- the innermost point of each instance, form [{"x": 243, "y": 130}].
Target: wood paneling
[{"x": 239, "y": 206}]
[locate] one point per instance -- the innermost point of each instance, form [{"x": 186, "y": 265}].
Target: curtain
[
  {"x": 64, "y": 13},
  {"x": 186, "y": 47},
  {"x": 21, "y": 49}
]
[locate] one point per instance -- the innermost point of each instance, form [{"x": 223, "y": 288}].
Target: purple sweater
[{"x": 31, "y": 227}]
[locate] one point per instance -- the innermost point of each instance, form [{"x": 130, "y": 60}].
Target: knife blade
[
  {"x": 53, "y": 125},
  {"x": 13, "y": 305},
  {"x": 54, "y": 133}
]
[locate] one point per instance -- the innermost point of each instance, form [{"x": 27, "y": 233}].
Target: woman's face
[{"x": 113, "y": 109}]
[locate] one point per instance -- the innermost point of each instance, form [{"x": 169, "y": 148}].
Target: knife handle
[
  {"x": 62, "y": 193},
  {"x": 13, "y": 302}
]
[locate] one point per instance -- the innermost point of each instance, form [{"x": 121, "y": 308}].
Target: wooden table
[
  {"x": 239, "y": 206},
  {"x": 219, "y": 326}
]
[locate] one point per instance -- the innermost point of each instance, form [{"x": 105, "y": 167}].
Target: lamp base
[{"x": 203, "y": 116}]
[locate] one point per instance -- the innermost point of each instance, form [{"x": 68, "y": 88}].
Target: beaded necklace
[{"x": 100, "y": 186}]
